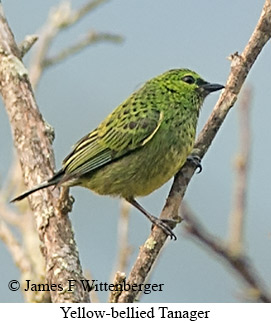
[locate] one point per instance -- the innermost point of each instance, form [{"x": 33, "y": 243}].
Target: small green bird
[{"x": 141, "y": 144}]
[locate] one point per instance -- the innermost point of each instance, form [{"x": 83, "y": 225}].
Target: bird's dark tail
[{"x": 52, "y": 181}]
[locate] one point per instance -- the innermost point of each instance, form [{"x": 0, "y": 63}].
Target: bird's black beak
[{"x": 209, "y": 87}]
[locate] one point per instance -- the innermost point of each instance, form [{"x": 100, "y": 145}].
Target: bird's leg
[
  {"x": 161, "y": 223},
  {"x": 196, "y": 161}
]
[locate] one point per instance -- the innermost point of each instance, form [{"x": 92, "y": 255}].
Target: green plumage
[{"x": 142, "y": 143}]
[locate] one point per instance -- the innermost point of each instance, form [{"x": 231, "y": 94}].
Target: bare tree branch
[
  {"x": 118, "y": 280},
  {"x": 25, "y": 249},
  {"x": 37, "y": 160},
  {"x": 240, "y": 67},
  {"x": 20, "y": 258},
  {"x": 241, "y": 165},
  {"x": 124, "y": 249},
  {"x": 61, "y": 18},
  {"x": 240, "y": 263},
  {"x": 91, "y": 38},
  {"x": 24, "y": 261}
]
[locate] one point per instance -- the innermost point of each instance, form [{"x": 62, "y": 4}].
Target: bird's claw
[
  {"x": 196, "y": 161},
  {"x": 163, "y": 224}
]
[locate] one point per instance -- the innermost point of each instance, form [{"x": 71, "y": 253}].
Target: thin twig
[
  {"x": 27, "y": 44},
  {"x": 124, "y": 249},
  {"x": 76, "y": 15},
  {"x": 237, "y": 216},
  {"x": 28, "y": 262},
  {"x": 239, "y": 263},
  {"x": 240, "y": 67},
  {"x": 9, "y": 216},
  {"x": 90, "y": 39},
  {"x": 17, "y": 251},
  {"x": 28, "y": 249},
  {"x": 61, "y": 18}
]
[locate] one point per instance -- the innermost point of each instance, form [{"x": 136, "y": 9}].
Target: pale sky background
[{"x": 77, "y": 94}]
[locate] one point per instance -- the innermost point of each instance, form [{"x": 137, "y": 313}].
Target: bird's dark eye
[{"x": 188, "y": 79}]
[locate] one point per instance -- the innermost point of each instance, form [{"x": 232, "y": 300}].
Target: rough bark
[{"x": 33, "y": 143}]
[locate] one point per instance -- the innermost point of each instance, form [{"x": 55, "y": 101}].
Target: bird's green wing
[{"x": 121, "y": 132}]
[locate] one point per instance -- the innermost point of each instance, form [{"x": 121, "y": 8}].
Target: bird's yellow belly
[{"x": 139, "y": 173}]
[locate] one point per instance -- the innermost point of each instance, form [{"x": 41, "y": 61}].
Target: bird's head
[{"x": 187, "y": 82}]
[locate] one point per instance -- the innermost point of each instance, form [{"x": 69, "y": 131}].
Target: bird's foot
[
  {"x": 161, "y": 223},
  {"x": 164, "y": 225},
  {"x": 196, "y": 161}
]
